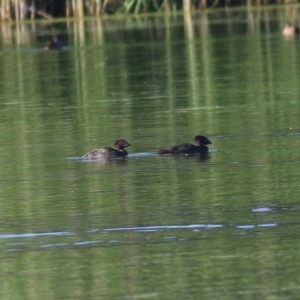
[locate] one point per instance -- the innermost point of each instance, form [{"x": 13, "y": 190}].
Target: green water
[{"x": 151, "y": 227}]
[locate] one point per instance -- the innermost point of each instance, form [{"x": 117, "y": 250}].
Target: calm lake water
[{"x": 151, "y": 227}]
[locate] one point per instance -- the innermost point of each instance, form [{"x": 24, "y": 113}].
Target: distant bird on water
[
  {"x": 54, "y": 44},
  {"x": 290, "y": 30}
]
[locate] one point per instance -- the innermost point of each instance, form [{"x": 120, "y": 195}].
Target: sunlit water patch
[
  {"x": 262, "y": 209},
  {"x": 12, "y": 242}
]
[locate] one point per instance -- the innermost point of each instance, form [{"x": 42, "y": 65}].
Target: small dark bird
[
  {"x": 199, "y": 146},
  {"x": 54, "y": 44}
]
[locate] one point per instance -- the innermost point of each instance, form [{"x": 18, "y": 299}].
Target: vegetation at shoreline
[{"x": 36, "y": 9}]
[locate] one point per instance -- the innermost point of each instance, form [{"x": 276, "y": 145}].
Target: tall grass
[{"x": 25, "y": 9}]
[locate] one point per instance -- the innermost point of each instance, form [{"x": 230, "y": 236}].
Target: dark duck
[
  {"x": 107, "y": 153},
  {"x": 199, "y": 146},
  {"x": 54, "y": 44}
]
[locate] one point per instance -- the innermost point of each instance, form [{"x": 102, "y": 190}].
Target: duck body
[
  {"x": 107, "y": 153},
  {"x": 199, "y": 146}
]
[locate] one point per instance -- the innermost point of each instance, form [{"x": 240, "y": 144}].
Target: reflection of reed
[
  {"x": 92, "y": 66},
  {"x": 188, "y": 25},
  {"x": 207, "y": 67},
  {"x": 191, "y": 56},
  {"x": 22, "y": 9},
  {"x": 18, "y": 34}
]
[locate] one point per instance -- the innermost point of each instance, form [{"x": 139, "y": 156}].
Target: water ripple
[
  {"x": 128, "y": 229},
  {"x": 32, "y": 234},
  {"x": 112, "y": 236}
]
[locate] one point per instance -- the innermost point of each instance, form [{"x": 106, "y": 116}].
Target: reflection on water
[
  {"x": 174, "y": 233},
  {"x": 150, "y": 226}
]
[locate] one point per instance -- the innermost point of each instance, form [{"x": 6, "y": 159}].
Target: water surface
[{"x": 150, "y": 227}]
